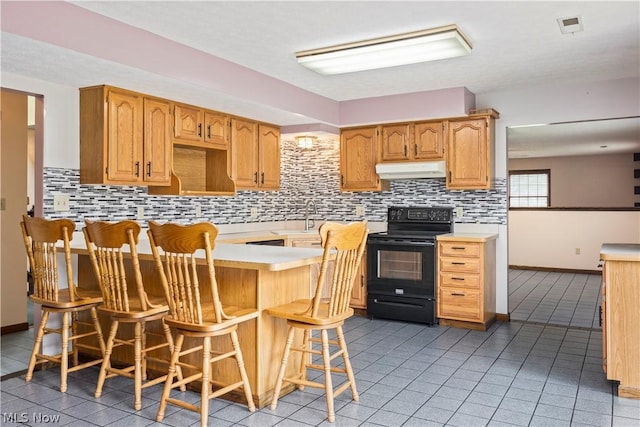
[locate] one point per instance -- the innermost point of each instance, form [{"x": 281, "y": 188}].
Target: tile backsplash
[{"x": 305, "y": 174}]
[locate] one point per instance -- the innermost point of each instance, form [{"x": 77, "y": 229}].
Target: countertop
[
  {"x": 620, "y": 252},
  {"x": 271, "y": 258},
  {"x": 467, "y": 237}
]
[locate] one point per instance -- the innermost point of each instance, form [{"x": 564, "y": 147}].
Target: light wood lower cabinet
[
  {"x": 359, "y": 292},
  {"x": 466, "y": 281},
  {"x": 621, "y": 316}
]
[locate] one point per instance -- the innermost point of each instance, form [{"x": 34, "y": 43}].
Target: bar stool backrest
[
  {"x": 182, "y": 246},
  {"x": 109, "y": 244},
  {"x": 41, "y": 238}
]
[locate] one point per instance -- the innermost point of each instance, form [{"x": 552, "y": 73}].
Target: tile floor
[
  {"x": 517, "y": 373},
  {"x": 565, "y": 299}
]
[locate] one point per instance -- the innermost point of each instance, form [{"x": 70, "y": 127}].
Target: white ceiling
[{"x": 515, "y": 44}]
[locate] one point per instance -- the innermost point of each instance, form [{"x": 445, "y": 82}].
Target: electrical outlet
[
  {"x": 359, "y": 210},
  {"x": 140, "y": 214},
  {"x": 577, "y": 251},
  {"x": 60, "y": 202},
  {"x": 198, "y": 211},
  {"x": 254, "y": 212},
  {"x": 459, "y": 212}
]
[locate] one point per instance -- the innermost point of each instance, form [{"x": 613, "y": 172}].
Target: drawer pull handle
[
  {"x": 457, "y": 278},
  {"x": 456, "y": 294},
  {"x": 457, "y": 263},
  {"x": 458, "y": 248}
]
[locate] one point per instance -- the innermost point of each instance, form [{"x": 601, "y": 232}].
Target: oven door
[{"x": 401, "y": 267}]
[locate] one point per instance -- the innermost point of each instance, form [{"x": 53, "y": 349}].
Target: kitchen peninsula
[{"x": 248, "y": 276}]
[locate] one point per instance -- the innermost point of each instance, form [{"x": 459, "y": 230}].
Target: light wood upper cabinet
[
  {"x": 204, "y": 128},
  {"x": 255, "y": 152},
  {"x": 244, "y": 152},
  {"x": 113, "y": 146},
  {"x": 419, "y": 141},
  {"x": 469, "y": 153},
  {"x": 216, "y": 130},
  {"x": 428, "y": 140},
  {"x": 269, "y": 157},
  {"x": 157, "y": 141},
  {"x": 397, "y": 144},
  {"x": 187, "y": 123},
  {"x": 358, "y": 157}
]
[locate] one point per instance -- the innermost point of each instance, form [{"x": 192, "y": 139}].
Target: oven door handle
[{"x": 405, "y": 243}]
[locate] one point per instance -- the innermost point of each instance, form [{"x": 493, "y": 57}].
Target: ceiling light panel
[{"x": 402, "y": 49}]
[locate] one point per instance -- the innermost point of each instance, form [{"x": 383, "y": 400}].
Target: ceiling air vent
[{"x": 570, "y": 25}]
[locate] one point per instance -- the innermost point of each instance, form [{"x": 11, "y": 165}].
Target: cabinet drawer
[
  {"x": 467, "y": 249},
  {"x": 460, "y": 265},
  {"x": 459, "y": 303},
  {"x": 460, "y": 280}
]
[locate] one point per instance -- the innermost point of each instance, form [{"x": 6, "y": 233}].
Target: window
[{"x": 529, "y": 189}]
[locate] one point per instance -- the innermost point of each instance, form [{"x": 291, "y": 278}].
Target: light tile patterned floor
[
  {"x": 517, "y": 373},
  {"x": 566, "y": 299}
]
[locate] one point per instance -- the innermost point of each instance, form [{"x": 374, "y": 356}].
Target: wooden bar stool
[
  {"x": 348, "y": 243},
  {"x": 41, "y": 240},
  {"x": 110, "y": 245},
  {"x": 196, "y": 311}
]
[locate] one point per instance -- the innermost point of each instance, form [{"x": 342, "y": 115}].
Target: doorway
[{"x": 21, "y": 180}]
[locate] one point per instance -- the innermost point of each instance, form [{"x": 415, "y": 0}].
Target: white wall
[
  {"x": 61, "y": 119},
  {"x": 549, "y": 104},
  {"x": 549, "y": 238}
]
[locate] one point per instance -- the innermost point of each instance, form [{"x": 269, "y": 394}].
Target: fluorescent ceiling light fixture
[
  {"x": 305, "y": 141},
  {"x": 408, "y": 48}
]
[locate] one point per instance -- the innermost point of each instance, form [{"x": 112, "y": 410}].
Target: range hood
[{"x": 408, "y": 170}]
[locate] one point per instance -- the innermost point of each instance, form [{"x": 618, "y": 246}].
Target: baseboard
[
  {"x": 503, "y": 317},
  {"x": 14, "y": 328},
  {"x": 558, "y": 270}
]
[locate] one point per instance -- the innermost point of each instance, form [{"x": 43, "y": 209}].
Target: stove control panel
[{"x": 420, "y": 214}]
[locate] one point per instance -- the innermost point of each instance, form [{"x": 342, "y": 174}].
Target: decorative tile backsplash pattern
[{"x": 306, "y": 174}]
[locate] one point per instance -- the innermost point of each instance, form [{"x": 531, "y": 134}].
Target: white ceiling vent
[{"x": 570, "y": 25}]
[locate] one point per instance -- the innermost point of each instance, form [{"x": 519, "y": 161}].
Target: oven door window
[
  {"x": 401, "y": 269},
  {"x": 399, "y": 265}
]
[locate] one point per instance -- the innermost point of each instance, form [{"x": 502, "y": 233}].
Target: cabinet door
[
  {"x": 216, "y": 130},
  {"x": 359, "y": 291},
  {"x": 188, "y": 123},
  {"x": 358, "y": 158},
  {"x": 157, "y": 141},
  {"x": 125, "y": 137},
  {"x": 603, "y": 318},
  {"x": 269, "y": 161},
  {"x": 428, "y": 141},
  {"x": 244, "y": 146},
  {"x": 396, "y": 142},
  {"x": 468, "y": 154}
]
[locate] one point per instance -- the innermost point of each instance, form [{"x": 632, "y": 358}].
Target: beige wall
[
  {"x": 549, "y": 239},
  {"x": 13, "y": 182},
  {"x": 586, "y": 181}
]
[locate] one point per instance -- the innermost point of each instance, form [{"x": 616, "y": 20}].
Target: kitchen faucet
[{"x": 309, "y": 223}]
